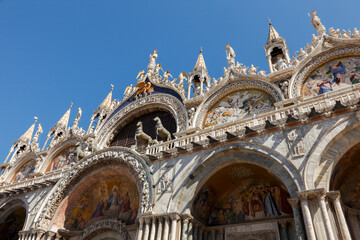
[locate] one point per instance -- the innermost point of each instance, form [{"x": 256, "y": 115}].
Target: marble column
[
  {"x": 159, "y": 229},
  {"x": 283, "y": 225},
  {"x": 213, "y": 234},
  {"x": 166, "y": 228},
  {"x": 325, "y": 214},
  {"x": 21, "y": 235},
  {"x": 219, "y": 234},
  {"x": 173, "y": 231},
  {"x": 309, "y": 227},
  {"x": 184, "y": 232},
  {"x": 190, "y": 231},
  {"x": 50, "y": 235},
  {"x": 140, "y": 229},
  {"x": 335, "y": 197},
  {"x": 147, "y": 228},
  {"x": 195, "y": 231},
  {"x": 298, "y": 222},
  {"x": 201, "y": 232},
  {"x": 153, "y": 228},
  {"x": 354, "y": 224}
]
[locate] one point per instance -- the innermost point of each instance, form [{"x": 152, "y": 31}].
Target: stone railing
[
  {"x": 298, "y": 110},
  {"x": 51, "y": 177}
]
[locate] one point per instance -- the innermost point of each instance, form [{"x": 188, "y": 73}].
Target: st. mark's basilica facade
[{"x": 250, "y": 155}]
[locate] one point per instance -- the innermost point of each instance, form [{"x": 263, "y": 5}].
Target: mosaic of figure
[
  {"x": 239, "y": 105},
  {"x": 24, "y": 172},
  {"x": 64, "y": 158},
  {"x": 332, "y": 76},
  {"x": 112, "y": 197},
  {"x": 253, "y": 198}
]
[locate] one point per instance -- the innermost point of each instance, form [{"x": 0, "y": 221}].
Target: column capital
[
  {"x": 334, "y": 195},
  {"x": 186, "y": 217},
  {"x": 313, "y": 193},
  {"x": 294, "y": 202},
  {"x": 283, "y": 223},
  {"x": 148, "y": 219},
  {"x": 141, "y": 220},
  {"x": 174, "y": 216}
]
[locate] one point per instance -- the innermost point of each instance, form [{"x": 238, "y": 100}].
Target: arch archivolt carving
[
  {"x": 267, "y": 87},
  {"x": 212, "y": 161},
  {"x": 335, "y": 143},
  {"x": 18, "y": 164},
  {"x": 55, "y": 151},
  {"x": 91, "y": 163},
  {"x": 105, "y": 225},
  {"x": 302, "y": 73},
  {"x": 164, "y": 101}
]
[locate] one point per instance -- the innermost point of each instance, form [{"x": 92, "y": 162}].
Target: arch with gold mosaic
[
  {"x": 237, "y": 101},
  {"x": 328, "y": 72}
]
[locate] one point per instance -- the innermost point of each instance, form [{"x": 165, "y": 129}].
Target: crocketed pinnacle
[
  {"x": 200, "y": 63},
  {"x": 64, "y": 120},
  {"x": 106, "y": 104},
  {"x": 273, "y": 34},
  {"x": 26, "y": 137}
]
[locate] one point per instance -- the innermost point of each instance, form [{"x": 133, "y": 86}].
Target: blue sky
[{"x": 56, "y": 52}]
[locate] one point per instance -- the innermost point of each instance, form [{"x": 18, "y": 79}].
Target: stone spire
[
  {"x": 273, "y": 34},
  {"x": 64, "y": 120},
  {"x": 101, "y": 112},
  {"x": 106, "y": 104},
  {"x": 198, "y": 77},
  {"x": 200, "y": 63},
  {"x": 26, "y": 137}
]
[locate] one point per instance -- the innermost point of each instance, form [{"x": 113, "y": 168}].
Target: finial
[
  {"x": 270, "y": 22},
  {"x": 71, "y": 104},
  {"x": 112, "y": 87},
  {"x": 36, "y": 118},
  {"x": 201, "y": 49}
]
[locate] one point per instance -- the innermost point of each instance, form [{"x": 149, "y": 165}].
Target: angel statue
[
  {"x": 180, "y": 85},
  {"x": 166, "y": 77},
  {"x": 128, "y": 91},
  {"x": 78, "y": 116},
  {"x": 152, "y": 62},
  {"x": 230, "y": 56},
  {"x": 141, "y": 76},
  {"x": 316, "y": 22},
  {"x": 252, "y": 70},
  {"x": 157, "y": 70}
]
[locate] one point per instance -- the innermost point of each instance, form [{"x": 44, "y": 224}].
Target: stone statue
[
  {"x": 161, "y": 130},
  {"x": 346, "y": 35},
  {"x": 140, "y": 135},
  {"x": 356, "y": 33},
  {"x": 77, "y": 119},
  {"x": 37, "y": 134},
  {"x": 333, "y": 32},
  {"x": 78, "y": 152},
  {"x": 128, "y": 91},
  {"x": 191, "y": 114},
  {"x": 215, "y": 82},
  {"x": 262, "y": 73},
  {"x": 166, "y": 77},
  {"x": 309, "y": 48},
  {"x": 230, "y": 56},
  {"x": 315, "y": 40},
  {"x": 280, "y": 64},
  {"x": 156, "y": 75},
  {"x": 294, "y": 61},
  {"x": 301, "y": 54},
  {"x": 152, "y": 62},
  {"x": 180, "y": 85},
  {"x": 284, "y": 88},
  {"x": 243, "y": 70},
  {"x": 252, "y": 70},
  {"x": 141, "y": 76},
  {"x": 316, "y": 22}
]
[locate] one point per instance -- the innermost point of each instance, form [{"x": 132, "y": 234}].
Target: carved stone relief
[
  {"x": 165, "y": 183},
  {"x": 296, "y": 142},
  {"x": 104, "y": 225}
]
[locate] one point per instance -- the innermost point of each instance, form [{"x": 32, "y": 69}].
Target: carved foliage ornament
[
  {"x": 77, "y": 173},
  {"x": 168, "y": 102},
  {"x": 103, "y": 226}
]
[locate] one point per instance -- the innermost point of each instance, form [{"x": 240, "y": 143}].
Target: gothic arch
[
  {"x": 106, "y": 157},
  {"x": 155, "y": 101},
  {"x": 105, "y": 227},
  {"x": 329, "y": 151},
  {"x": 257, "y": 84},
  {"x": 241, "y": 152}
]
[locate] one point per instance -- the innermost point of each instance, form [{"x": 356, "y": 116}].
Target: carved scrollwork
[
  {"x": 87, "y": 165},
  {"x": 104, "y": 225},
  {"x": 165, "y": 101}
]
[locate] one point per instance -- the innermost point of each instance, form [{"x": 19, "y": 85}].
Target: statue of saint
[{"x": 316, "y": 22}]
